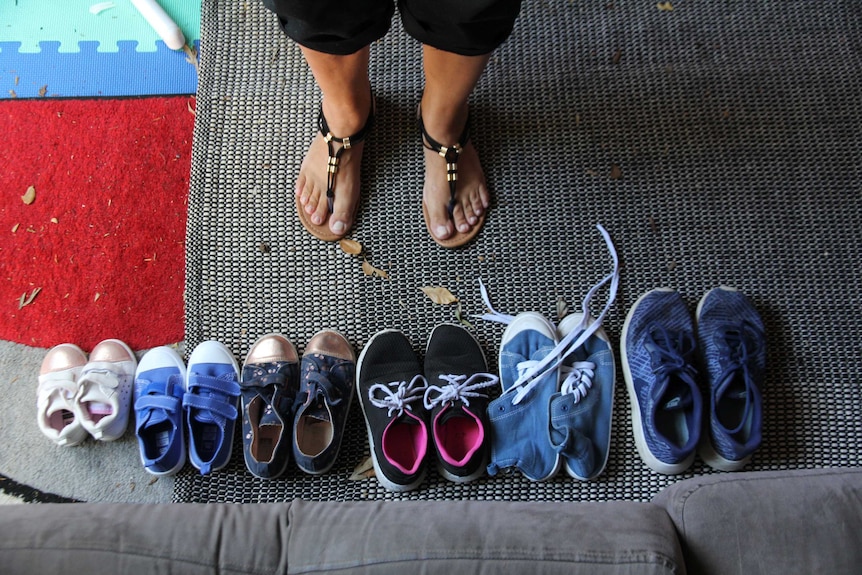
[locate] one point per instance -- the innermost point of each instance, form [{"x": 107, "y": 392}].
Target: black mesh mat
[{"x": 719, "y": 143}]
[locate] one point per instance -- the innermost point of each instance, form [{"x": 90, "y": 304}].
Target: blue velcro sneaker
[
  {"x": 581, "y": 411},
  {"x": 270, "y": 377},
  {"x": 211, "y": 405},
  {"x": 658, "y": 351},
  {"x": 160, "y": 383},
  {"x": 520, "y": 417},
  {"x": 733, "y": 349},
  {"x": 326, "y": 385}
]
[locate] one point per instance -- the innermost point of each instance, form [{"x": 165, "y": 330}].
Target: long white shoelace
[
  {"x": 397, "y": 395},
  {"x": 529, "y": 377},
  {"x": 458, "y": 387}
]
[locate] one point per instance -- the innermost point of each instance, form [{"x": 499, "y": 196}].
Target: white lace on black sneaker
[
  {"x": 398, "y": 395},
  {"x": 458, "y": 387},
  {"x": 531, "y": 372}
]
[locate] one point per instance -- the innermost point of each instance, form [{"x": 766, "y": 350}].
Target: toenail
[
  {"x": 338, "y": 227},
  {"x": 441, "y": 231},
  {"x": 317, "y": 220}
]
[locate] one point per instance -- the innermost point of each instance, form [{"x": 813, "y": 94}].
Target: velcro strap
[
  {"x": 219, "y": 384},
  {"x": 210, "y": 404}
]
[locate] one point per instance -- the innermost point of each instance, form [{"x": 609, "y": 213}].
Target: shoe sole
[
  {"x": 221, "y": 347},
  {"x": 562, "y": 331},
  {"x": 178, "y": 362},
  {"x": 637, "y": 422},
  {"x": 384, "y": 481},
  {"x": 706, "y": 450}
]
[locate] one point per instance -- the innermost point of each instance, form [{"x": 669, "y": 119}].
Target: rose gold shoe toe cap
[
  {"x": 62, "y": 357},
  {"x": 271, "y": 348},
  {"x": 331, "y": 343}
]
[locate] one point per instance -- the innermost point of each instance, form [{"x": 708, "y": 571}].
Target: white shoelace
[
  {"x": 530, "y": 376},
  {"x": 458, "y": 387},
  {"x": 398, "y": 395},
  {"x": 578, "y": 379}
]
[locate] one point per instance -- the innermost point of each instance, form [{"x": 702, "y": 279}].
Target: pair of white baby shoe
[{"x": 79, "y": 396}]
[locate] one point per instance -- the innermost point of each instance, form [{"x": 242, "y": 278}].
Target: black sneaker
[
  {"x": 391, "y": 390},
  {"x": 458, "y": 383}
]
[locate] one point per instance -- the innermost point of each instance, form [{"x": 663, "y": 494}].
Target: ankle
[
  {"x": 444, "y": 123},
  {"x": 346, "y": 115}
]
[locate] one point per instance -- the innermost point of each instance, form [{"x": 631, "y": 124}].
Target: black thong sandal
[
  {"x": 452, "y": 154},
  {"x": 322, "y": 231}
]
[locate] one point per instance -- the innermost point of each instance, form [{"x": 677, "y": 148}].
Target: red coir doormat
[{"x": 93, "y": 220}]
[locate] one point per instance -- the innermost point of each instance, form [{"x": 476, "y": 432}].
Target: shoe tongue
[
  {"x": 452, "y": 412},
  {"x": 317, "y": 411},
  {"x": 270, "y": 417},
  {"x": 97, "y": 408},
  {"x": 204, "y": 416},
  {"x": 154, "y": 417},
  {"x": 677, "y": 396}
]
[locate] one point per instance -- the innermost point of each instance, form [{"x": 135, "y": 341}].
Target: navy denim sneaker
[
  {"x": 657, "y": 348},
  {"x": 520, "y": 417},
  {"x": 581, "y": 411},
  {"x": 269, "y": 381},
  {"x": 211, "y": 405},
  {"x": 391, "y": 390},
  {"x": 456, "y": 370},
  {"x": 160, "y": 383},
  {"x": 733, "y": 349},
  {"x": 325, "y": 393}
]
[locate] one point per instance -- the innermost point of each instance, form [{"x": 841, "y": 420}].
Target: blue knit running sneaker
[
  {"x": 733, "y": 349},
  {"x": 657, "y": 349}
]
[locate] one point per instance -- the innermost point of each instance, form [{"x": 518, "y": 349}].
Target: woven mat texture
[{"x": 719, "y": 143}]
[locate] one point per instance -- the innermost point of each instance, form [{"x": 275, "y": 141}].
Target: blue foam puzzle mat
[{"x": 50, "y": 49}]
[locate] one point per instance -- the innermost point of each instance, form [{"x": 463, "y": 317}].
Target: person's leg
[
  {"x": 458, "y": 37},
  {"x": 347, "y": 103},
  {"x": 334, "y": 37},
  {"x": 449, "y": 81}
]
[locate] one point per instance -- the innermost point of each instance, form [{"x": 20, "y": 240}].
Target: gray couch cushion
[
  {"x": 778, "y": 522},
  {"x": 108, "y": 539},
  {"x": 482, "y": 537}
]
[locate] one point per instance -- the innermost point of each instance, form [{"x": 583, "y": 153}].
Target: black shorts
[{"x": 466, "y": 27}]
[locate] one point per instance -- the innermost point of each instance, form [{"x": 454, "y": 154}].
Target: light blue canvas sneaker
[
  {"x": 733, "y": 349},
  {"x": 520, "y": 417},
  {"x": 211, "y": 405},
  {"x": 581, "y": 411},
  {"x": 657, "y": 348},
  {"x": 159, "y": 417}
]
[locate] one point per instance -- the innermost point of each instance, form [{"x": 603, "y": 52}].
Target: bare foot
[
  {"x": 312, "y": 180},
  {"x": 471, "y": 192}
]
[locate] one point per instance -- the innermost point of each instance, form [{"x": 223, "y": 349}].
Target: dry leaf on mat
[
  {"x": 370, "y": 270},
  {"x": 28, "y": 300},
  {"x": 29, "y": 196},
  {"x": 460, "y": 317},
  {"x": 351, "y": 247},
  {"x": 364, "y": 470},
  {"x": 562, "y": 308},
  {"x": 439, "y": 295},
  {"x": 664, "y": 6}
]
